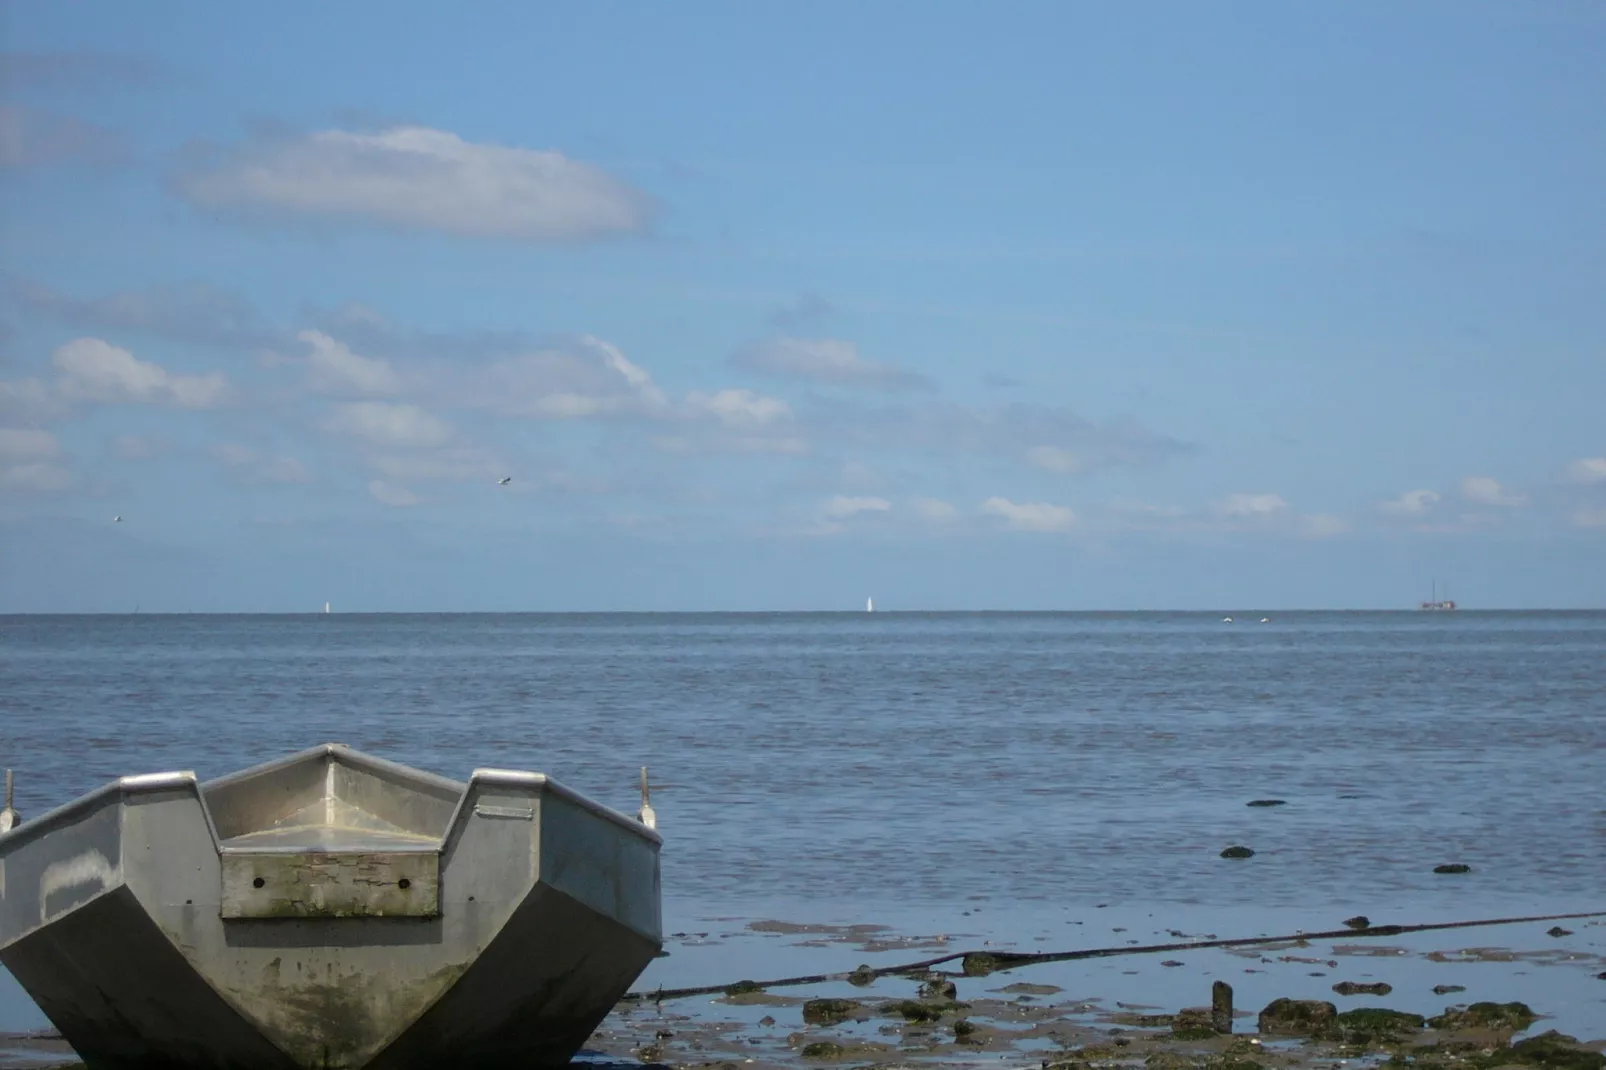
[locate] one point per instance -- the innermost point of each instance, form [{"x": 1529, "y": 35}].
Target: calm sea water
[{"x": 862, "y": 764}]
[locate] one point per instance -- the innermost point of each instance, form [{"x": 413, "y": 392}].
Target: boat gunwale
[
  {"x": 140, "y": 783},
  {"x": 150, "y": 783}
]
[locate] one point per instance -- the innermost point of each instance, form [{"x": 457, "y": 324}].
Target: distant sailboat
[
  {"x": 326, "y": 607},
  {"x": 869, "y": 605}
]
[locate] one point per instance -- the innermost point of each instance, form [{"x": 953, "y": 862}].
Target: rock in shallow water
[
  {"x": 1558, "y": 1050},
  {"x": 829, "y": 1011},
  {"x": 1237, "y": 851},
  {"x": 1445, "y": 990},
  {"x": 1268, "y": 802},
  {"x": 1452, "y": 867},
  {"x": 1359, "y": 921},
  {"x": 1353, "y": 988},
  {"x": 1502, "y": 1016},
  {"x": 1297, "y": 1017}
]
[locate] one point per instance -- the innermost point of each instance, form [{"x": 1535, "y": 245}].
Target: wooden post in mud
[{"x": 1221, "y": 1007}]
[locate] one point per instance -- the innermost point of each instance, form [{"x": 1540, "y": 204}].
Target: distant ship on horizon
[{"x": 1435, "y": 602}]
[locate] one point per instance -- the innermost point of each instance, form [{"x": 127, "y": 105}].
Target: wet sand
[{"x": 1089, "y": 1013}]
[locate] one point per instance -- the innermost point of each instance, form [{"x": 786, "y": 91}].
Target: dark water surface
[{"x": 854, "y": 764}]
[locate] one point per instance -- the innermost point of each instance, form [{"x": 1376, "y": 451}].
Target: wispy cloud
[
  {"x": 843, "y": 506},
  {"x": 1057, "y": 460},
  {"x": 247, "y": 466},
  {"x": 1587, "y": 470},
  {"x": 392, "y": 494},
  {"x": 95, "y": 370},
  {"x": 1484, "y": 490},
  {"x": 30, "y": 461},
  {"x": 828, "y": 361},
  {"x": 421, "y": 178},
  {"x": 30, "y": 138},
  {"x": 1031, "y": 516},
  {"x": 808, "y": 310},
  {"x": 934, "y": 510},
  {"x": 194, "y": 312},
  {"x": 1590, "y": 518},
  {"x": 335, "y": 369},
  {"x": 1252, "y": 505},
  {"x": 20, "y": 71},
  {"x": 1412, "y": 503},
  {"x": 389, "y": 424}
]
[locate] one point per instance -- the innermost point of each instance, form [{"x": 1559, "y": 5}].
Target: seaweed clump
[{"x": 1511, "y": 1017}]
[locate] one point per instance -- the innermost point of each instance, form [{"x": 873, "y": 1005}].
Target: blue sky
[{"x": 775, "y": 306}]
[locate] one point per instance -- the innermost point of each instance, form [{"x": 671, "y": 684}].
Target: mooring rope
[{"x": 979, "y": 963}]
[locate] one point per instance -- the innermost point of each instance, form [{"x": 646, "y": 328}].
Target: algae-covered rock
[
  {"x": 978, "y": 964},
  {"x": 1194, "y": 1023},
  {"x": 965, "y": 1031},
  {"x": 1168, "y": 1060},
  {"x": 1557, "y": 1050},
  {"x": 1356, "y": 988},
  {"x": 1237, "y": 851},
  {"x": 913, "y": 1011},
  {"x": 862, "y": 976},
  {"x": 1297, "y": 1017},
  {"x": 1374, "y": 1025},
  {"x": 1512, "y": 1017},
  {"x": 829, "y": 1011},
  {"x": 743, "y": 988},
  {"x": 1359, "y": 921},
  {"x": 1452, "y": 867},
  {"x": 823, "y": 1049},
  {"x": 1557, "y": 930},
  {"x": 939, "y": 988},
  {"x": 1445, "y": 990}
]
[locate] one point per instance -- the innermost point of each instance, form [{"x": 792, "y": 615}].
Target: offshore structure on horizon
[{"x": 1435, "y": 602}]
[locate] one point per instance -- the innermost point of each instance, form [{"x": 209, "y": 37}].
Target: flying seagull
[
  {"x": 117, "y": 520},
  {"x": 504, "y": 481}
]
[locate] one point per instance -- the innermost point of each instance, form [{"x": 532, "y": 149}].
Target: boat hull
[{"x": 410, "y": 922}]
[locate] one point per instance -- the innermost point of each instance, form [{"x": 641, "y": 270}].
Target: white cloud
[
  {"x": 1590, "y": 518},
  {"x": 451, "y": 464},
  {"x": 1587, "y": 470},
  {"x": 393, "y": 494},
  {"x": 841, "y": 507},
  {"x": 140, "y": 447},
  {"x": 740, "y": 407},
  {"x": 94, "y": 370},
  {"x": 38, "y": 476},
  {"x": 28, "y": 400},
  {"x": 337, "y": 370},
  {"x": 934, "y": 510},
  {"x": 1031, "y": 516},
  {"x": 250, "y": 467},
  {"x": 825, "y": 360},
  {"x": 413, "y": 176},
  {"x": 1411, "y": 503},
  {"x": 389, "y": 424},
  {"x": 1322, "y": 525},
  {"x": 1251, "y": 505},
  {"x": 1054, "y": 459},
  {"x": 1486, "y": 491},
  {"x": 31, "y": 138},
  {"x": 20, "y": 444},
  {"x": 585, "y": 378}
]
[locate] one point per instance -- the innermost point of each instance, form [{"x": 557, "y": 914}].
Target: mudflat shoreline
[{"x": 1405, "y": 1001}]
